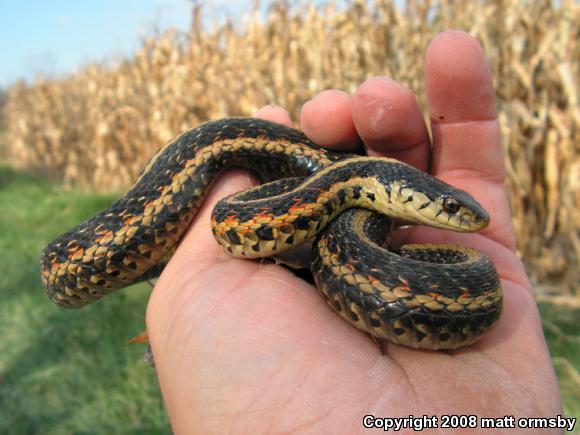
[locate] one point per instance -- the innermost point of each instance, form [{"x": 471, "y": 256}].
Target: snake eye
[{"x": 450, "y": 204}]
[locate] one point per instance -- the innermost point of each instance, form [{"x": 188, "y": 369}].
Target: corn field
[{"x": 96, "y": 129}]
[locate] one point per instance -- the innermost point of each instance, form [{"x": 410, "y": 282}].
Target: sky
[{"x": 52, "y": 38}]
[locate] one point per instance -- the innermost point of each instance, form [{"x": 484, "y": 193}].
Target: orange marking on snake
[
  {"x": 405, "y": 287},
  {"x": 263, "y": 215},
  {"x": 76, "y": 249},
  {"x": 104, "y": 236},
  {"x": 130, "y": 220},
  {"x": 297, "y": 206},
  {"x": 231, "y": 220}
]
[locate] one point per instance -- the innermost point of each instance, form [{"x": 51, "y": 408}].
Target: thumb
[
  {"x": 198, "y": 241},
  {"x": 197, "y": 251}
]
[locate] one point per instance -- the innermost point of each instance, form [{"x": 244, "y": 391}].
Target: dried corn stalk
[{"x": 96, "y": 128}]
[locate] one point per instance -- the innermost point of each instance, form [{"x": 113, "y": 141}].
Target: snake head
[
  {"x": 404, "y": 192},
  {"x": 430, "y": 201}
]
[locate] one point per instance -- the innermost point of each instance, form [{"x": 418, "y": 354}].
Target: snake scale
[{"x": 426, "y": 296}]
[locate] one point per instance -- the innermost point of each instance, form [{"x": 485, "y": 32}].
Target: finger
[
  {"x": 327, "y": 120},
  {"x": 462, "y": 107},
  {"x": 389, "y": 121},
  {"x": 199, "y": 240},
  {"x": 274, "y": 114},
  {"x": 197, "y": 252},
  {"x": 229, "y": 183},
  {"x": 198, "y": 249},
  {"x": 466, "y": 140}
]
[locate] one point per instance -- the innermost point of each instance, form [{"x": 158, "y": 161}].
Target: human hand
[{"x": 245, "y": 347}]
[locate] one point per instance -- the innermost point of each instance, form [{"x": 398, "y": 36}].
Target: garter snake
[{"x": 428, "y": 296}]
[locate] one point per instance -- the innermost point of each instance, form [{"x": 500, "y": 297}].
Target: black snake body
[{"x": 431, "y": 296}]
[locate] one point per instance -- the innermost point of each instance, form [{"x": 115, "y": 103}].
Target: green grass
[
  {"x": 65, "y": 371},
  {"x": 562, "y": 330},
  {"x": 72, "y": 371}
]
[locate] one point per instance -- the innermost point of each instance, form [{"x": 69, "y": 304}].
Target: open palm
[{"x": 247, "y": 347}]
